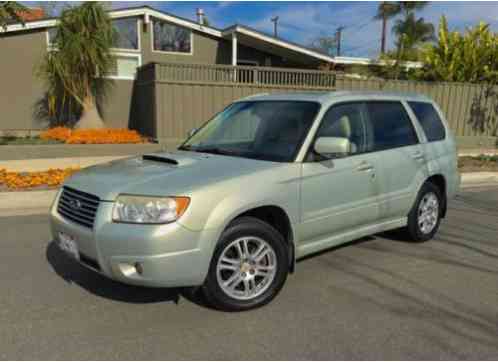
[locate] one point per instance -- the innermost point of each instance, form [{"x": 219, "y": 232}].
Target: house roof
[
  {"x": 146, "y": 12},
  {"x": 368, "y": 61},
  {"x": 248, "y": 33}
]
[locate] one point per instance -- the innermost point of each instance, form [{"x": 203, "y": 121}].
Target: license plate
[{"x": 68, "y": 245}]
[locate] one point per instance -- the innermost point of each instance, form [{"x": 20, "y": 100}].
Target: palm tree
[
  {"x": 409, "y": 7},
  {"x": 74, "y": 69},
  {"x": 10, "y": 11},
  {"x": 385, "y": 11},
  {"x": 411, "y": 32}
]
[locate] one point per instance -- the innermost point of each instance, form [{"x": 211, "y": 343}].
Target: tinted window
[
  {"x": 347, "y": 121},
  {"x": 171, "y": 38},
  {"x": 391, "y": 125},
  {"x": 429, "y": 120}
]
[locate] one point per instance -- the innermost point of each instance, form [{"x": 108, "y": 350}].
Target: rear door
[{"x": 402, "y": 158}]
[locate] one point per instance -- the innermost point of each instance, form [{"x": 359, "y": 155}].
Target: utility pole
[
  {"x": 338, "y": 38},
  {"x": 274, "y": 20}
]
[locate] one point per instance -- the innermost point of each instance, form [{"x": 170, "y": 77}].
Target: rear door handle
[{"x": 365, "y": 166}]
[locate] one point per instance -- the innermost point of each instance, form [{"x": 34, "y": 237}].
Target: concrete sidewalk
[
  {"x": 43, "y": 164},
  {"x": 19, "y": 203}
]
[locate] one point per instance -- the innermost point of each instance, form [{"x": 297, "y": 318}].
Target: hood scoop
[{"x": 155, "y": 158}]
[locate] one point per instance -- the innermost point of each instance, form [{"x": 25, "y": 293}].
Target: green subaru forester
[{"x": 270, "y": 179}]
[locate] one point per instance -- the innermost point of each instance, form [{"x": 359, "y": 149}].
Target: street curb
[
  {"x": 469, "y": 178},
  {"x": 38, "y": 202},
  {"x": 26, "y": 202}
]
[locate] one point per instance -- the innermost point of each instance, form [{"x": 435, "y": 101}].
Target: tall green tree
[
  {"x": 385, "y": 11},
  {"x": 456, "y": 57},
  {"x": 10, "y": 12},
  {"x": 411, "y": 32},
  {"x": 81, "y": 56}
]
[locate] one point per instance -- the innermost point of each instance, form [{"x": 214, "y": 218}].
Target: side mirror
[
  {"x": 332, "y": 145},
  {"x": 192, "y": 132}
]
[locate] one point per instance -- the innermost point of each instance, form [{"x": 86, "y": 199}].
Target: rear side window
[
  {"x": 391, "y": 125},
  {"x": 429, "y": 120}
]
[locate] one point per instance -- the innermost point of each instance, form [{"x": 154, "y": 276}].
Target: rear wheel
[
  {"x": 248, "y": 268},
  {"x": 425, "y": 217}
]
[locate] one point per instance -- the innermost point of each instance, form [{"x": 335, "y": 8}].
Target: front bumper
[{"x": 168, "y": 255}]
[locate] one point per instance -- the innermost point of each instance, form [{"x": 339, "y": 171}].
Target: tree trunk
[{"x": 90, "y": 117}]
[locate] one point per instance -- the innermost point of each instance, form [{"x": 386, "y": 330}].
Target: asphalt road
[{"x": 377, "y": 298}]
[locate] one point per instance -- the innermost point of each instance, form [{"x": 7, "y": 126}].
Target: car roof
[{"x": 328, "y": 97}]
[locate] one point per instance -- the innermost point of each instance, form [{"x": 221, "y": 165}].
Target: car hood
[{"x": 169, "y": 174}]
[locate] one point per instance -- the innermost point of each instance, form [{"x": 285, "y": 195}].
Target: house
[{"x": 145, "y": 35}]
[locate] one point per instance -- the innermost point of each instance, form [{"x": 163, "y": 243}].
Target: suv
[{"x": 270, "y": 179}]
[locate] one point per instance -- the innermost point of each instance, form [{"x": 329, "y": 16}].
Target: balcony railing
[{"x": 182, "y": 72}]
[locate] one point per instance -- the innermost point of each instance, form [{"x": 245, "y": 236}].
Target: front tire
[
  {"x": 249, "y": 266},
  {"x": 425, "y": 216}
]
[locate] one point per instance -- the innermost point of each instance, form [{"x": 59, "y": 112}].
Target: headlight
[{"x": 148, "y": 210}]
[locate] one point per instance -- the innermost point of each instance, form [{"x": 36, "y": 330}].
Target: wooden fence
[{"x": 174, "y": 98}]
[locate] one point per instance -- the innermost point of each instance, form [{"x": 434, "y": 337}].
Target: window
[
  {"x": 125, "y": 48},
  {"x": 391, "y": 125},
  {"x": 51, "y": 32},
  {"x": 263, "y": 130},
  {"x": 125, "y": 66},
  {"x": 171, "y": 38},
  {"x": 429, "y": 120},
  {"x": 126, "y": 33},
  {"x": 347, "y": 121}
]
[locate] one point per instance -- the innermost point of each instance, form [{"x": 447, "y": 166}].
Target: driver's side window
[{"x": 345, "y": 121}]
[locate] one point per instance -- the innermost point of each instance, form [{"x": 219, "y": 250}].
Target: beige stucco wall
[{"x": 19, "y": 88}]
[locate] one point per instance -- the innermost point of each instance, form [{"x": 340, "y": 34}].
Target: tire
[
  {"x": 251, "y": 250},
  {"x": 419, "y": 230}
]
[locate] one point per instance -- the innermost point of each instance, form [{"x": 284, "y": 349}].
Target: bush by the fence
[{"x": 92, "y": 136}]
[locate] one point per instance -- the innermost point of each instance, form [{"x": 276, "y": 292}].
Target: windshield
[{"x": 265, "y": 130}]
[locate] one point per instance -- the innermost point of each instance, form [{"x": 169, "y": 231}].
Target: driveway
[{"x": 376, "y": 298}]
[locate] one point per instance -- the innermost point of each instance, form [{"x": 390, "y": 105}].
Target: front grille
[{"x": 78, "y": 207}]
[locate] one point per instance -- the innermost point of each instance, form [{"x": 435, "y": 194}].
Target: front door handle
[
  {"x": 418, "y": 155},
  {"x": 365, "y": 167}
]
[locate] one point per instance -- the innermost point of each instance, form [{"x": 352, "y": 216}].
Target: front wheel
[
  {"x": 248, "y": 268},
  {"x": 425, "y": 217}
]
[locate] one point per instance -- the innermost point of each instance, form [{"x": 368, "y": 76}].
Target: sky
[{"x": 301, "y": 22}]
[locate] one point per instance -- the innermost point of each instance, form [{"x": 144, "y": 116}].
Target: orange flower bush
[
  {"x": 92, "y": 136},
  {"x": 57, "y": 134},
  {"x": 24, "y": 180}
]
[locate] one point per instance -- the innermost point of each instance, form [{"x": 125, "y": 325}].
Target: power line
[{"x": 293, "y": 27}]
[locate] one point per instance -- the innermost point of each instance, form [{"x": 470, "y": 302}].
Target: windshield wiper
[
  {"x": 185, "y": 148},
  {"x": 216, "y": 150}
]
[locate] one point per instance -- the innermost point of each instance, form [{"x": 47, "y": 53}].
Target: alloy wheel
[
  {"x": 428, "y": 213},
  {"x": 246, "y": 268}
]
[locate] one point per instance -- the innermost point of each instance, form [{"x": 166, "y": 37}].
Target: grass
[{"x": 12, "y": 140}]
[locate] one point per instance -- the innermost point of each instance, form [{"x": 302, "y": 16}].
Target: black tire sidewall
[
  {"x": 413, "y": 226},
  {"x": 245, "y": 227}
]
